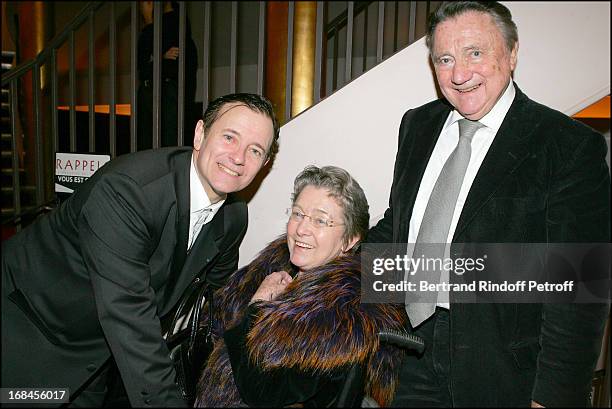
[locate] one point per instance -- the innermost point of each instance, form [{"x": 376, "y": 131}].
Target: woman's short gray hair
[{"x": 345, "y": 190}]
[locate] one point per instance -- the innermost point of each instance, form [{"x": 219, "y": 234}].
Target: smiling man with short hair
[
  {"x": 91, "y": 281},
  {"x": 486, "y": 164}
]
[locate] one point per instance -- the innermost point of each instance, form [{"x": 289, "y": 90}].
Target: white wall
[
  {"x": 564, "y": 62},
  {"x": 564, "y": 54}
]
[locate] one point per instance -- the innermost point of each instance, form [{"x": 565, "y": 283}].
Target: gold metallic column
[
  {"x": 276, "y": 55},
  {"x": 40, "y": 19},
  {"x": 304, "y": 36}
]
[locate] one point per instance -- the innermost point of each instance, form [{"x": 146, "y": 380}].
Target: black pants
[
  {"x": 168, "y": 111},
  {"x": 26, "y": 350},
  {"x": 424, "y": 380},
  {"x": 94, "y": 394},
  {"x": 116, "y": 396}
]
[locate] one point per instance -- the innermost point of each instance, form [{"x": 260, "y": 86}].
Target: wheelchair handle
[{"x": 402, "y": 339}]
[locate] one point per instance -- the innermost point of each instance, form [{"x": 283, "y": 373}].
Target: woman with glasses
[{"x": 290, "y": 326}]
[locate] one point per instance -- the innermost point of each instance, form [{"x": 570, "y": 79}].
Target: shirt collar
[
  {"x": 198, "y": 198},
  {"x": 494, "y": 118}
]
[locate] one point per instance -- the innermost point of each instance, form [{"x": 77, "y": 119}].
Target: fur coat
[{"x": 318, "y": 324}]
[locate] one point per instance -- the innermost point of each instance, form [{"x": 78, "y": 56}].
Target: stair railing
[
  {"x": 326, "y": 33},
  {"x": 407, "y": 24},
  {"x": 12, "y": 79},
  {"x": 49, "y": 56}
]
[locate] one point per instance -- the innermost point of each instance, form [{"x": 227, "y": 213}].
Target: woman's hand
[{"x": 272, "y": 286}]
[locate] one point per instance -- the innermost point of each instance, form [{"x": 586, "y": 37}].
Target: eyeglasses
[{"x": 317, "y": 221}]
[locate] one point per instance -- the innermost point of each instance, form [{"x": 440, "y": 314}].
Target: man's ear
[
  {"x": 514, "y": 56},
  {"x": 198, "y": 135}
]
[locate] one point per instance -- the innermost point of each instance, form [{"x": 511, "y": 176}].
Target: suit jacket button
[{"x": 91, "y": 367}]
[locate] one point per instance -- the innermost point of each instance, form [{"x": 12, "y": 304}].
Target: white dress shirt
[
  {"x": 448, "y": 140},
  {"x": 201, "y": 210}
]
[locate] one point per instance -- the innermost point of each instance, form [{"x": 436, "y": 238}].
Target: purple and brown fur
[{"x": 317, "y": 325}]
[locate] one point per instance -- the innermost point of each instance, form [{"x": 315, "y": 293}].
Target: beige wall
[{"x": 564, "y": 62}]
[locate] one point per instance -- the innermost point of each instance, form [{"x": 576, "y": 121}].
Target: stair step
[
  {"x": 6, "y": 144},
  {"x": 10, "y": 171},
  {"x": 7, "y": 211},
  {"x": 27, "y": 195},
  {"x": 26, "y": 189}
]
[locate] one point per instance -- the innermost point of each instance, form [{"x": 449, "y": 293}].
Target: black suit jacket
[
  {"x": 96, "y": 275},
  {"x": 543, "y": 180}
]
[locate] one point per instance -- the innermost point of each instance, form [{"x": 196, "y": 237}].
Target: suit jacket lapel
[
  {"x": 421, "y": 147},
  {"x": 509, "y": 149},
  {"x": 201, "y": 255},
  {"x": 205, "y": 247},
  {"x": 182, "y": 192}
]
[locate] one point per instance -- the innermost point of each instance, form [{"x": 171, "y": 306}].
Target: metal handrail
[
  {"x": 341, "y": 20},
  {"x": 11, "y": 78},
  {"x": 18, "y": 71},
  {"x": 324, "y": 84},
  {"x": 55, "y": 43}
]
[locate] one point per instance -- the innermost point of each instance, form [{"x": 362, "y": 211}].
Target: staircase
[
  {"x": 92, "y": 71},
  {"x": 356, "y": 128},
  {"x": 7, "y": 64},
  {"x": 17, "y": 198},
  {"x": 9, "y": 202}
]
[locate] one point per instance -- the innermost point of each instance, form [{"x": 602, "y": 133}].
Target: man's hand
[
  {"x": 535, "y": 404},
  {"x": 172, "y": 53},
  {"x": 272, "y": 286}
]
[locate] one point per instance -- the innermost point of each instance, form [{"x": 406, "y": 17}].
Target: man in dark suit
[
  {"x": 90, "y": 281},
  {"x": 531, "y": 175}
]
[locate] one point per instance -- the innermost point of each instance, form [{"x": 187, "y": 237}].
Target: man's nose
[
  {"x": 461, "y": 72},
  {"x": 237, "y": 155}
]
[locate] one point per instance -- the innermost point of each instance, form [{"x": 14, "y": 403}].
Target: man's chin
[
  {"x": 471, "y": 113},
  {"x": 223, "y": 189},
  {"x": 220, "y": 192}
]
